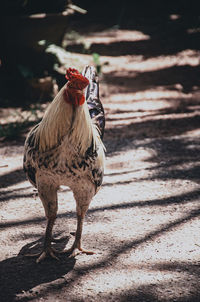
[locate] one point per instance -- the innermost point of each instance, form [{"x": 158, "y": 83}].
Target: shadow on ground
[{"x": 20, "y": 274}]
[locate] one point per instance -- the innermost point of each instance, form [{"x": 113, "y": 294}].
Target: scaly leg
[
  {"x": 48, "y": 250},
  {"x": 76, "y": 247},
  {"x": 82, "y": 203},
  {"x": 48, "y": 196}
]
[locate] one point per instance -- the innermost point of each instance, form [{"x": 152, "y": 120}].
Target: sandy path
[{"x": 144, "y": 223}]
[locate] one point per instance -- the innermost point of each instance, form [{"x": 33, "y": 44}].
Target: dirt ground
[{"x": 144, "y": 222}]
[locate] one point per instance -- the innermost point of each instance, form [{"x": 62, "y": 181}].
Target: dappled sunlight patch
[
  {"x": 11, "y": 115},
  {"x": 154, "y": 94},
  {"x": 185, "y": 57},
  {"x": 128, "y": 166},
  {"x": 160, "y": 94},
  {"x": 149, "y": 219},
  {"x": 124, "y": 115},
  {"x": 113, "y": 282},
  {"x": 137, "y": 63},
  {"x": 133, "y": 280},
  {"x": 114, "y": 35},
  {"x": 128, "y": 158},
  {"x": 194, "y": 132},
  {"x": 174, "y": 240},
  {"x": 9, "y": 163},
  {"x": 120, "y": 97},
  {"x": 149, "y": 105}
]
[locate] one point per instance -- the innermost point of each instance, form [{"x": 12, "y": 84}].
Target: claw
[
  {"x": 87, "y": 252},
  {"x": 74, "y": 251},
  {"x": 45, "y": 254},
  {"x": 41, "y": 256}
]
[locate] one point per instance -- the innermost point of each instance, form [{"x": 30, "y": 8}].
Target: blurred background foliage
[
  {"x": 32, "y": 52},
  {"x": 19, "y": 7}
]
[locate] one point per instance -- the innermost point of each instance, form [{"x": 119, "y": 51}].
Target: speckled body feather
[{"x": 58, "y": 156}]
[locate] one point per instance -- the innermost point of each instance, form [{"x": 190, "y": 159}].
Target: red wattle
[{"x": 75, "y": 97}]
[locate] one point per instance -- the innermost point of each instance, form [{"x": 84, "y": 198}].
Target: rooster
[{"x": 66, "y": 148}]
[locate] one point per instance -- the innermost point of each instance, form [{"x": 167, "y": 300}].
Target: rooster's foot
[
  {"x": 48, "y": 252},
  {"x": 74, "y": 251}
]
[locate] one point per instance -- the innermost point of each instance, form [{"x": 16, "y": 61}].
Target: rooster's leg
[
  {"x": 48, "y": 250},
  {"x": 76, "y": 247},
  {"x": 82, "y": 205},
  {"x": 48, "y": 195}
]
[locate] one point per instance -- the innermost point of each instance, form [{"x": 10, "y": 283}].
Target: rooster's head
[{"x": 74, "y": 93}]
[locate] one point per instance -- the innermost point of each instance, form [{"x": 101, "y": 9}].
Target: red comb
[{"x": 76, "y": 80}]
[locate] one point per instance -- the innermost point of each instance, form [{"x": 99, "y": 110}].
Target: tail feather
[{"x": 93, "y": 101}]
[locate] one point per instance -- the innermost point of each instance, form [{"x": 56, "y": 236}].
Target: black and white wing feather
[{"x": 92, "y": 97}]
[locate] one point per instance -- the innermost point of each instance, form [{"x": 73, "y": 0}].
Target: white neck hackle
[{"x": 62, "y": 120}]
